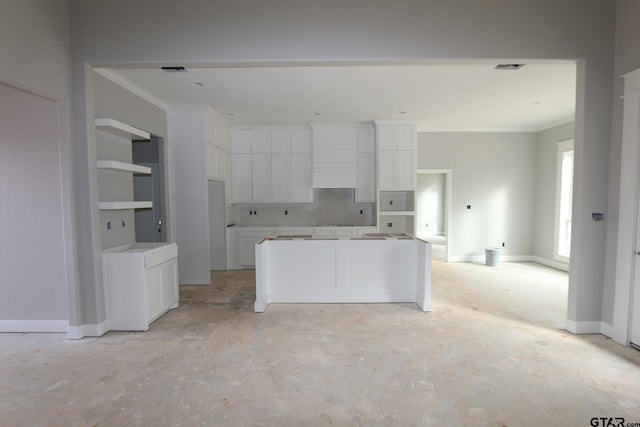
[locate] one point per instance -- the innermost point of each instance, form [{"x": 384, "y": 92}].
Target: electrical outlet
[
  {"x": 389, "y": 224},
  {"x": 503, "y": 244},
  {"x": 123, "y": 224},
  {"x": 108, "y": 225}
]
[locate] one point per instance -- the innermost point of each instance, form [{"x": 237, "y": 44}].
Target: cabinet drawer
[{"x": 158, "y": 257}]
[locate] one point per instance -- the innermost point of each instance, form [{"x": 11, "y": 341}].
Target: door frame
[
  {"x": 627, "y": 227},
  {"x": 448, "y": 191}
]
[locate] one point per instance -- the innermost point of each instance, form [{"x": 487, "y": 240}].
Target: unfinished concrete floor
[{"x": 492, "y": 353}]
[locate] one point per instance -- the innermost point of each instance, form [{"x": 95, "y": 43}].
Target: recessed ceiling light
[
  {"x": 402, "y": 112},
  {"x": 317, "y": 114},
  {"x": 508, "y": 66},
  {"x": 231, "y": 114},
  {"x": 537, "y": 102},
  {"x": 197, "y": 84}
]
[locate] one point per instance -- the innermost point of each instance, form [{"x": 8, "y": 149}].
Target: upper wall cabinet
[
  {"x": 271, "y": 164},
  {"x": 396, "y": 156},
  {"x": 217, "y": 148},
  {"x": 335, "y": 155},
  {"x": 365, "y": 190}
]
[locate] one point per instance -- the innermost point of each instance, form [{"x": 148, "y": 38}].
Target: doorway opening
[
  {"x": 433, "y": 196},
  {"x": 217, "y": 226},
  {"x": 150, "y": 223}
]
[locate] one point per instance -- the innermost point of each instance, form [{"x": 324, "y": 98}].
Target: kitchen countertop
[{"x": 365, "y": 236}]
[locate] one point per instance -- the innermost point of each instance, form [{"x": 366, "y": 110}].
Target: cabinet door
[
  {"x": 221, "y": 165},
  {"x": 280, "y": 177},
  {"x": 241, "y": 141},
  {"x": 216, "y": 163},
  {"x": 365, "y": 190},
  {"x": 386, "y": 138},
  {"x": 387, "y": 170},
  {"x": 405, "y": 170},
  {"x": 241, "y": 178},
  {"x": 261, "y": 141},
  {"x": 405, "y": 137},
  {"x": 169, "y": 283},
  {"x": 301, "y": 190},
  {"x": 280, "y": 141},
  {"x": 261, "y": 179},
  {"x": 248, "y": 250},
  {"x": 153, "y": 292},
  {"x": 301, "y": 141}
]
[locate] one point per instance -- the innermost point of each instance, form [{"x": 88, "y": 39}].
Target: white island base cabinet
[
  {"x": 141, "y": 284},
  {"x": 356, "y": 270}
]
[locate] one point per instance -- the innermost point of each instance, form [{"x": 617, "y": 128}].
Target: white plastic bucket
[{"x": 492, "y": 256}]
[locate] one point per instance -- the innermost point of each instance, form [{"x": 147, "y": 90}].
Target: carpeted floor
[{"x": 493, "y": 352}]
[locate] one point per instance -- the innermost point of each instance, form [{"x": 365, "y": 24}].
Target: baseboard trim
[
  {"x": 606, "y": 329},
  {"x": 583, "y": 327},
  {"x": 551, "y": 263},
  {"x": 34, "y": 325},
  {"x": 513, "y": 258},
  {"x": 95, "y": 330}
]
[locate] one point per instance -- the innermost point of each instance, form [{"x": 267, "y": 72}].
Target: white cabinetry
[
  {"x": 365, "y": 189},
  {"x": 396, "y": 142},
  {"x": 247, "y": 239},
  {"x": 335, "y": 159},
  {"x": 271, "y": 165},
  {"x": 217, "y": 148},
  {"x": 141, "y": 284},
  {"x": 396, "y": 156}
]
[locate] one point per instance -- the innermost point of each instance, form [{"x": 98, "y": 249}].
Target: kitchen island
[{"x": 375, "y": 268}]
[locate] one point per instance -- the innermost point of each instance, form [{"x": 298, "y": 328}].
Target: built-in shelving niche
[{"x": 124, "y": 131}]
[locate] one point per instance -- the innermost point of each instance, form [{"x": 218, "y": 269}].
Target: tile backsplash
[{"x": 331, "y": 206}]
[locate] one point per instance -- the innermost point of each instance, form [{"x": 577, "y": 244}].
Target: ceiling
[{"x": 459, "y": 97}]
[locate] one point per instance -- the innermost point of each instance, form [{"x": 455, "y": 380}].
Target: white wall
[
  {"x": 373, "y": 31},
  {"x": 494, "y": 173},
  {"x": 37, "y": 273},
  {"x": 545, "y": 195}
]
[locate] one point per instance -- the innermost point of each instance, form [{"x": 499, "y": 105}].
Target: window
[{"x": 564, "y": 197}]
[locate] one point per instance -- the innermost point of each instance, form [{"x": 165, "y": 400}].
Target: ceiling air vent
[
  {"x": 173, "y": 69},
  {"x": 508, "y": 66}
]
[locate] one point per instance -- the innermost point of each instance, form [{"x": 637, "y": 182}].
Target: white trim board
[
  {"x": 93, "y": 330},
  {"x": 584, "y": 327},
  {"x": 34, "y": 325},
  {"x": 514, "y": 258}
]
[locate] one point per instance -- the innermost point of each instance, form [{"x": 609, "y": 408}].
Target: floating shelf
[
  {"x": 111, "y": 206},
  {"x": 125, "y": 167},
  {"x": 119, "y": 128}
]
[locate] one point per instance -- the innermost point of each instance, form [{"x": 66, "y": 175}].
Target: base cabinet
[{"x": 141, "y": 284}]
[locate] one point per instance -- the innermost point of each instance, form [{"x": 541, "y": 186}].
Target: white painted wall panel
[{"x": 32, "y": 254}]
